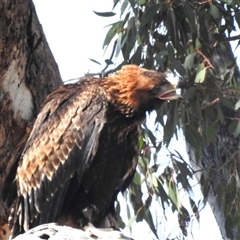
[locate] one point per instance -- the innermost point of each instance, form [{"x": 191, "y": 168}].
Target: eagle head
[{"x": 133, "y": 89}]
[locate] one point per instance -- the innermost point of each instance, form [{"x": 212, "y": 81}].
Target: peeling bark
[{"x": 28, "y": 73}]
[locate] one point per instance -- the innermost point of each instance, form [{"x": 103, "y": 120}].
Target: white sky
[{"x": 76, "y": 34}]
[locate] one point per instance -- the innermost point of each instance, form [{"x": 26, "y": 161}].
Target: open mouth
[{"x": 170, "y": 95}]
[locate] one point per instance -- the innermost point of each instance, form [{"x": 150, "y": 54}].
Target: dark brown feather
[{"x": 83, "y": 150}]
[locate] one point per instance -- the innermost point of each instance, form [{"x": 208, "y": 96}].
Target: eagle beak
[
  {"x": 169, "y": 94},
  {"x": 169, "y": 90}
]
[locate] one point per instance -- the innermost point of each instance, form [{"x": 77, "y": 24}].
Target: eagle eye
[{"x": 156, "y": 90}]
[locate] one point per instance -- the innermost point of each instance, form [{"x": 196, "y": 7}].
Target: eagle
[{"x": 83, "y": 150}]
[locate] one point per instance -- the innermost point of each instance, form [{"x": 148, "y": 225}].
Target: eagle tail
[{"x": 16, "y": 218}]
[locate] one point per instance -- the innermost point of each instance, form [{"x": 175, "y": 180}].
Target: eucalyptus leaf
[
  {"x": 148, "y": 15},
  {"x": 143, "y": 164},
  {"x": 111, "y": 33},
  {"x": 173, "y": 21},
  {"x": 131, "y": 221},
  {"x": 105, "y": 14},
  {"x": 162, "y": 193},
  {"x": 123, "y": 7},
  {"x": 173, "y": 195},
  {"x": 149, "y": 220},
  {"x": 136, "y": 58},
  {"x": 176, "y": 65},
  {"x": 214, "y": 12},
  {"x": 189, "y": 61},
  {"x": 225, "y": 101},
  {"x": 200, "y": 77},
  {"x": 95, "y": 61},
  {"x": 188, "y": 10}
]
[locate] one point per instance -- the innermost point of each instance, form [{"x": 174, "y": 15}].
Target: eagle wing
[{"x": 62, "y": 143}]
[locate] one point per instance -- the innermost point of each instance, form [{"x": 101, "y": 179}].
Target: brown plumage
[{"x": 83, "y": 151}]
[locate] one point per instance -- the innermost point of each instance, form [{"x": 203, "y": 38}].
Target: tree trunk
[
  {"x": 28, "y": 73},
  {"x": 220, "y": 159}
]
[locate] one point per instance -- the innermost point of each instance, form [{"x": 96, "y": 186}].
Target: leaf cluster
[{"x": 192, "y": 39}]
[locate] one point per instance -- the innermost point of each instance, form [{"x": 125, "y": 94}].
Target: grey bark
[
  {"x": 28, "y": 73},
  {"x": 220, "y": 160}
]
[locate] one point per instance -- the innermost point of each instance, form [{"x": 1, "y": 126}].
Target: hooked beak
[{"x": 169, "y": 90}]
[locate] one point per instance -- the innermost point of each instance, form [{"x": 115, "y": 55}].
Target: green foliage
[
  {"x": 190, "y": 38},
  {"x": 105, "y": 14}
]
